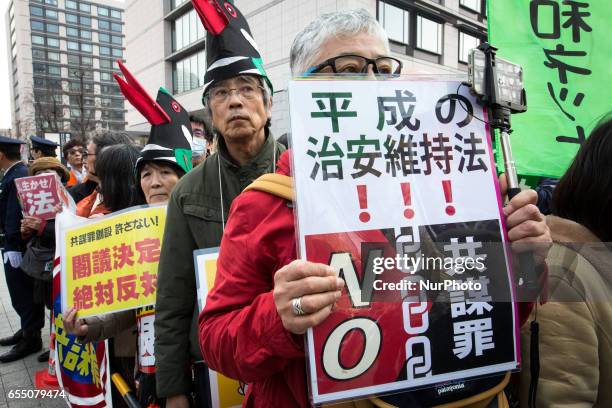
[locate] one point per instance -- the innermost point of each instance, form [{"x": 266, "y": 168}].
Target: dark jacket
[
  {"x": 10, "y": 209},
  {"x": 193, "y": 222},
  {"x": 82, "y": 190}
]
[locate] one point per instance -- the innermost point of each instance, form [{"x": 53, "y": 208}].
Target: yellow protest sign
[
  {"x": 109, "y": 264},
  {"x": 224, "y": 392}
]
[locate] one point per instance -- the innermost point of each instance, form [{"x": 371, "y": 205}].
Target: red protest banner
[{"x": 39, "y": 195}]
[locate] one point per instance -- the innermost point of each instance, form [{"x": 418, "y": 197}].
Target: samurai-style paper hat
[
  {"x": 170, "y": 139},
  {"x": 230, "y": 47}
]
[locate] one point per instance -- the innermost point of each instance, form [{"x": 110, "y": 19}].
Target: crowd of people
[{"x": 250, "y": 329}]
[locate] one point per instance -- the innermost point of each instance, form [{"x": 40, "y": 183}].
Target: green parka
[{"x": 194, "y": 222}]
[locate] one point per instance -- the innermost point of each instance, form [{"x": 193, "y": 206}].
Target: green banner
[{"x": 565, "y": 48}]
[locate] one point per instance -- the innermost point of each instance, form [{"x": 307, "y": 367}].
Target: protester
[
  {"x": 238, "y": 98},
  {"x": 38, "y": 257},
  {"x": 250, "y": 329},
  {"x": 575, "y": 323},
  {"x": 42, "y": 147},
  {"x": 118, "y": 191},
  {"x": 157, "y": 173},
  {"x": 21, "y": 286},
  {"x": 202, "y": 139},
  {"x": 85, "y": 194},
  {"x": 73, "y": 154}
]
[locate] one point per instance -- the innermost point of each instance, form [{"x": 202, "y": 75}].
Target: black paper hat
[
  {"x": 170, "y": 139},
  {"x": 230, "y": 47}
]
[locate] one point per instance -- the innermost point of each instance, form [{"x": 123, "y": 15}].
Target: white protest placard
[{"x": 396, "y": 189}]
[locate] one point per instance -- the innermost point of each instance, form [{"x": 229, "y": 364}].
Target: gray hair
[
  {"x": 266, "y": 93},
  {"x": 306, "y": 45}
]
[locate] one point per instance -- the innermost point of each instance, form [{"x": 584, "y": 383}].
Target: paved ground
[{"x": 19, "y": 375}]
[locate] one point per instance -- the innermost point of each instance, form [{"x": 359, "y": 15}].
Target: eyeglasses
[
  {"x": 357, "y": 64},
  {"x": 77, "y": 151},
  {"x": 85, "y": 154},
  {"x": 221, "y": 94}
]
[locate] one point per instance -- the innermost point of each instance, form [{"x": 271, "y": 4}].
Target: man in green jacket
[{"x": 237, "y": 94}]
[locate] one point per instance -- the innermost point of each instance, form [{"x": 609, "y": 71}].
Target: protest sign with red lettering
[
  {"x": 38, "y": 195},
  {"x": 396, "y": 189},
  {"x": 109, "y": 264}
]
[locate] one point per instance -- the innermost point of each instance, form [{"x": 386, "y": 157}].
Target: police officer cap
[
  {"x": 10, "y": 141},
  {"x": 40, "y": 143}
]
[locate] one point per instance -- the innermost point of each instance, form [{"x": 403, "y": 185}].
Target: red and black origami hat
[
  {"x": 170, "y": 138},
  {"x": 230, "y": 47}
]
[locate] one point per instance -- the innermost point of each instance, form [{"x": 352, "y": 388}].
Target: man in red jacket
[{"x": 249, "y": 329}]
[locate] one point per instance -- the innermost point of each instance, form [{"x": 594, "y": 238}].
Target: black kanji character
[
  {"x": 581, "y": 137},
  {"x": 452, "y": 98},
  {"x": 534, "y": 8},
  {"x": 562, "y": 66},
  {"x": 470, "y": 151},
  {"x": 563, "y": 96},
  {"x": 371, "y": 157},
  {"x": 575, "y": 19},
  {"x": 326, "y": 153},
  {"x": 385, "y": 104},
  {"x": 401, "y": 157}
]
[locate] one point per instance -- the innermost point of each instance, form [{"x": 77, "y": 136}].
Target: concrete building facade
[
  {"x": 165, "y": 41},
  {"x": 61, "y": 57}
]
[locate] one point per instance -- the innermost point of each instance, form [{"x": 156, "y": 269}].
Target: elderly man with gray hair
[{"x": 250, "y": 329}]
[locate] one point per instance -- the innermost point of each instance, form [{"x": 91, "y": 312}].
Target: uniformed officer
[
  {"x": 42, "y": 148},
  {"x": 21, "y": 287}
]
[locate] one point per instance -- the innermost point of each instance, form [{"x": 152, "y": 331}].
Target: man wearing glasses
[
  {"x": 252, "y": 328},
  {"x": 73, "y": 154},
  {"x": 237, "y": 96}
]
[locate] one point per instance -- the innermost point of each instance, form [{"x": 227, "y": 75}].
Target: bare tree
[{"x": 79, "y": 101}]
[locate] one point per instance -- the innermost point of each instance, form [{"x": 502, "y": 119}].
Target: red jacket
[{"x": 241, "y": 333}]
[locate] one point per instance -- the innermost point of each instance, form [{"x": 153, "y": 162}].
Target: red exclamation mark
[
  {"x": 408, "y": 212},
  {"x": 448, "y": 196},
  {"x": 362, "y": 194}
]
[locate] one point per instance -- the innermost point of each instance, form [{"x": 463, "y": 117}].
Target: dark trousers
[{"x": 21, "y": 289}]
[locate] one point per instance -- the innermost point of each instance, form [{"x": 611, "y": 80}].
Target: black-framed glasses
[
  {"x": 357, "y": 64},
  {"x": 85, "y": 154}
]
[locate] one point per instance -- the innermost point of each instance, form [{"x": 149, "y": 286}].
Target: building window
[
  {"x": 36, "y": 11},
  {"x": 466, "y": 43},
  {"x": 72, "y": 45},
  {"x": 85, "y": 8},
  {"x": 73, "y": 59},
  {"x": 116, "y": 39},
  {"x": 54, "y": 70},
  {"x": 105, "y": 50},
  {"x": 51, "y": 2},
  {"x": 53, "y": 56},
  {"x": 53, "y": 28},
  {"x": 39, "y": 68},
  {"x": 71, "y": 4},
  {"x": 395, "y": 22},
  {"x": 86, "y": 47},
  {"x": 106, "y": 76},
  {"x": 102, "y": 11},
  {"x": 86, "y": 21},
  {"x": 72, "y": 32},
  {"x": 38, "y": 40},
  {"x": 188, "y": 73},
  {"x": 103, "y": 37},
  {"x": 117, "y": 52},
  {"x": 175, "y": 3},
  {"x": 103, "y": 25},
  {"x": 115, "y": 14},
  {"x": 187, "y": 30},
  {"x": 473, "y": 5},
  {"x": 116, "y": 27},
  {"x": 53, "y": 42},
  {"x": 51, "y": 14},
  {"x": 86, "y": 34},
  {"x": 37, "y": 25},
  {"x": 72, "y": 18},
  {"x": 38, "y": 54},
  {"x": 87, "y": 61},
  {"x": 429, "y": 35}
]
